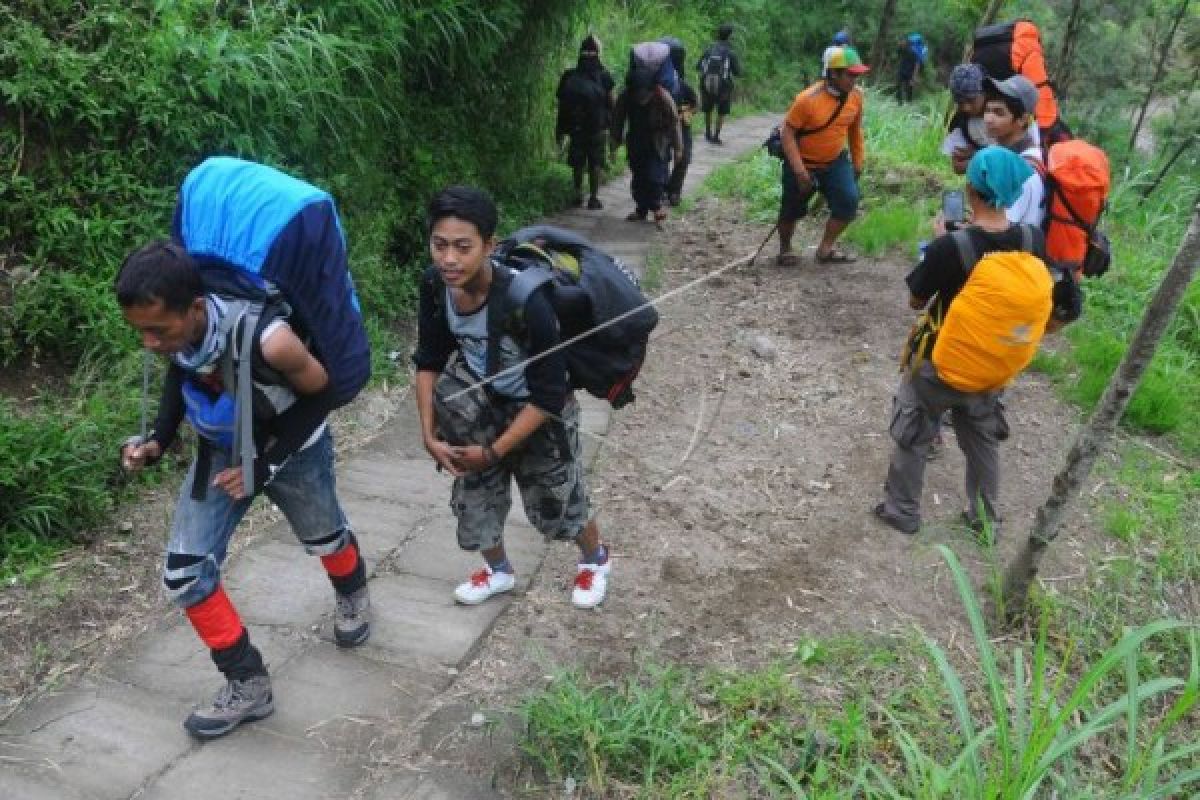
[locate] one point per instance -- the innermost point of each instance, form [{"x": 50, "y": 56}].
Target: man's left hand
[{"x": 230, "y": 481}]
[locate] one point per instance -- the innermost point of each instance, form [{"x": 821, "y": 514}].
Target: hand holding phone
[{"x": 953, "y": 207}]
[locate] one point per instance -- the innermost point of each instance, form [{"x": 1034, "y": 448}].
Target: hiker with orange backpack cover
[{"x": 988, "y": 298}]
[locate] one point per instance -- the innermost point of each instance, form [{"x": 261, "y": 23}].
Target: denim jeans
[{"x": 304, "y": 489}]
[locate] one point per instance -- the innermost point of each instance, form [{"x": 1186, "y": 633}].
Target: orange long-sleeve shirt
[{"x": 811, "y": 109}]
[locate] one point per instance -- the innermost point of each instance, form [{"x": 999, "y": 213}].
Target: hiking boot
[
  {"x": 594, "y": 203},
  {"x": 237, "y": 701},
  {"x": 591, "y": 584},
  {"x": 674, "y": 200},
  {"x": 985, "y": 534},
  {"x": 482, "y": 585},
  {"x": 351, "y": 623},
  {"x": 905, "y": 526}
]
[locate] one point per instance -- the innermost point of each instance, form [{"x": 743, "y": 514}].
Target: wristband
[{"x": 489, "y": 455}]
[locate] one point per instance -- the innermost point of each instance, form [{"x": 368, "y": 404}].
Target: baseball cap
[
  {"x": 846, "y": 58},
  {"x": 1018, "y": 87}
]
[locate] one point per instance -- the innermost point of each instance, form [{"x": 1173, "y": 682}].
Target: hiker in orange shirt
[{"x": 822, "y": 123}]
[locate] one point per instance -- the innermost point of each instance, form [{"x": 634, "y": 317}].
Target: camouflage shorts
[{"x": 548, "y": 466}]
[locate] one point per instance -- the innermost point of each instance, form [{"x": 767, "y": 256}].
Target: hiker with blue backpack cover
[
  {"x": 253, "y": 306},
  {"x": 647, "y": 122},
  {"x": 686, "y": 103},
  {"x": 910, "y": 59},
  {"x": 494, "y": 381}
]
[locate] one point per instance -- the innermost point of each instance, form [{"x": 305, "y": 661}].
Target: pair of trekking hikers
[
  {"x": 251, "y": 302},
  {"x": 651, "y": 116},
  {"x": 994, "y": 281}
]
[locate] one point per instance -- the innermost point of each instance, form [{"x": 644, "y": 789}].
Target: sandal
[
  {"x": 787, "y": 260},
  {"x": 836, "y": 256},
  {"x": 660, "y": 217}
]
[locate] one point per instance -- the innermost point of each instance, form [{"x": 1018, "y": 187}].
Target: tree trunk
[
  {"x": 1162, "y": 173},
  {"x": 1158, "y": 71},
  {"x": 1094, "y": 437},
  {"x": 881, "y": 39},
  {"x": 1066, "y": 55}
]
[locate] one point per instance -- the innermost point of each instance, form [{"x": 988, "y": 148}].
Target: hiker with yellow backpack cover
[{"x": 988, "y": 297}]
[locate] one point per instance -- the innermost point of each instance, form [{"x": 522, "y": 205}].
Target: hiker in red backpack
[
  {"x": 585, "y": 102},
  {"x": 824, "y": 150},
  {"x": 224, "y": 302},
  {"x": 718, "y": 66},
  {"x": 1008, "y": 113}
]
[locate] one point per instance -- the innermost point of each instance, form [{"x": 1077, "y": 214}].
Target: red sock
[
  {"x": 341, "y": 563},
  {"x": 216, "y": 620}
]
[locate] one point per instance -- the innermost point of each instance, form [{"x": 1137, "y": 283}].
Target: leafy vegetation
[{"x": 847, "y": 718}]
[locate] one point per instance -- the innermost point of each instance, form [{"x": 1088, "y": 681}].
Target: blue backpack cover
[{"x": 252, "y": 228}]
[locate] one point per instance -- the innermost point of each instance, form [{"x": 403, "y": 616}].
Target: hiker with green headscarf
[{"x": 995, "y": 177}]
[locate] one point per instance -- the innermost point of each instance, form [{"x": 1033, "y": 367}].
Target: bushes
[{"x": 105, "y": 109}]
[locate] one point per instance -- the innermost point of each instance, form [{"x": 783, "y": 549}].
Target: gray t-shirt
[{"x": 471, "y": 331}]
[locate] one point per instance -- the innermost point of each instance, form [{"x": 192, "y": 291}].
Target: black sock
[{"x": 241, "y": 660}]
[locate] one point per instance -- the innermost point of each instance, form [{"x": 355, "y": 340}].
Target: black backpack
[
  {"x": 584, "y": 102},
  {"x": 588, "y": 288},
  {"x": 716, "y": 71}
]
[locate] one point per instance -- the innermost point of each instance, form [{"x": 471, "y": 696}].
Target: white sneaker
[
  {"x": 591, "y": 584},
  {"x": 482, "y": 585}
]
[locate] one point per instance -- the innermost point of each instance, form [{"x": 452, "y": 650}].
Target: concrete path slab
[{"x": 117, "y": 733}]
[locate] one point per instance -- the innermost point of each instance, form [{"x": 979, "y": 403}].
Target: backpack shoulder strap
[
  {"x": 837, "y": 110},
  {"x": 967, "y": 253}
]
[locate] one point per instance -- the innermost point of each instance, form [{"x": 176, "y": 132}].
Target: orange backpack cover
[
  {"x": 1077, "y": 180},
  {"x": 995, "y": 323},
  {"x": 1015, "y": 48}
]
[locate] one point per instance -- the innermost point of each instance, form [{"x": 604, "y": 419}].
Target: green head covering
[{"x": 998, "y": 175}]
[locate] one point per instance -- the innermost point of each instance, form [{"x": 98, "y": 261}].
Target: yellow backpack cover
[{"x": 995, "y": 323}]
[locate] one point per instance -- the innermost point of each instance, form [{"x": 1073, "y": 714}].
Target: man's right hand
[
  {"x": 444, "y": 454},
  {"x": 135, "y": 454},
  {"x": 804, "y": 180}
]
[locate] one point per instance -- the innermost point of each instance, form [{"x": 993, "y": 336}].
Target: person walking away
[
  {"x": 990, "y": 281},
  {"x": 585, "y": 102},
  {"x": 1008, "y": 115},
  {"x": 718, "y": 67},
  {"x": 200, "y": 330},
  {"x": 824, "y": 150},
  {"x": 908, "y": 62},
  {"x": 523, "y": 425},
  {"x": 686, "y": 103},
  {"x": 646, "y": 121}
]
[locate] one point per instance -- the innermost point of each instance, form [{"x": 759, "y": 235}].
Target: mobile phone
[{"x": 953, "y": 209}]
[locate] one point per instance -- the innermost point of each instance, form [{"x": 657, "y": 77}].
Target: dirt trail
[{"x": 737, "y": 491}]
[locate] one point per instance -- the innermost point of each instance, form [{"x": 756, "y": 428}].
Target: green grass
[{"x": 893, "y": 719}]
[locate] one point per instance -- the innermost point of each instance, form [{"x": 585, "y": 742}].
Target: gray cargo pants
[{"x": 979, "y": 425}]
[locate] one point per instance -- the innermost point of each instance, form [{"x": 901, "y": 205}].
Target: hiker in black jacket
[{"x": 585, "y": 101}]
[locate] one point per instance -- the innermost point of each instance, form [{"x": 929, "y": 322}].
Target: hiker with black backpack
[
  {"x": 718, "y": 66},
  {"x": 823, "y": 150},
  {"x": 686, "y": 103},
  {"x": 988, "y": 296},
  {"x": 585, "y": 102},
  {"x": 253, "y": 306},
  {"x": 522, "y": 423},
  {"x": 646, "y": 120}
]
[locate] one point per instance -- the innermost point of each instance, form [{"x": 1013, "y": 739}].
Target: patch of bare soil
[
  {"x": 99, "y": 595},
  {"x": 737, "y": 492}
]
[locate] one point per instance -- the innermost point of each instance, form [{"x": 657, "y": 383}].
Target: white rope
[{"x": 585, "y": 334}]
